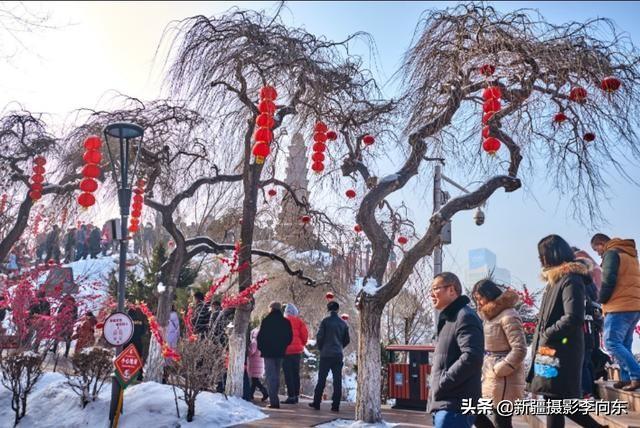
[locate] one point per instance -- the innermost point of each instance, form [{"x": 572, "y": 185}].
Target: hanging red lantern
[
  {"x": 402, "y": 240},
  {"x": 141, "y": 182},
  {"x": 138, "y": 191},
  {"x": 136, "y": 213},
  {"x": 319, "y": 147},
  {"x": 267, "y": 106},
  {"x": 486, "y": 132},
  {"x": 559, "y": 117},
  {"x": 486, "y": 117},
  {"x": 265, "y": 120},
  {"x": 86, "y": 200},
  {"x": 92, "y": 156},
  {"x": 136, "y": 206},
  {"x": 133, "y": 228},
  {"x": 317, "y": 157},
  {"x": 487, "y": 69},
  {"x": 317, "y": 167},
  {"x": 332, "y": 136},
  {"x": 491, "y": 92},
  {"x": 261, "y": 150},
  {"x": 268, "y": 93},
  {"x": 305, "y": 219},
  {"x": 272, "y": 192},
  {"x": 368, "y": 140},
  {"x": 578, "y": 94},
  {"x": 92, "y": 143},
  {"x": 610, "y": 84},
  {"x": 491, "y": 145},
  {"x": 134, "y": 220},
  {"x": 350, "y": 193},
  {"x": 264, "y": 135},
  {"x": 138, "y": 198},
  {"x": 319, "y": 137},
  {"x": 589, "y": 137},
  {"x": 91, "y": 171},
  {"x": 39, "y": 160},
  {"x": 320, "y": 127},
  {"x": 37, "y": 178},
  {"x": 88, "y": 185},
  {"x": 35, "y": 195},
  {"x": 491, "y": 105},
  {"x": 38, "y": 169},
  {"x": 37, "y": 187},
  {"x": 345, "y": 317},
  {"x": 329, "y": 295},
  {"x": 357, "y": 228}
]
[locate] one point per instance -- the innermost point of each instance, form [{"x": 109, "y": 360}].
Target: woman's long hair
[
  {"x": 554, "y": 251},
  {"x": 487, "y": 289}
]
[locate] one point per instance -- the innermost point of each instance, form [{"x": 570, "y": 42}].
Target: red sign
[{"x": 128, "y": 364}]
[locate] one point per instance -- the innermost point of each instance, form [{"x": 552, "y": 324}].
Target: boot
[
  {"x": 315, "y": 406},
  {"x": 632, "y": 386},
  {"x": 291, "y": 400},
  {"x": 265, "y": 397}
]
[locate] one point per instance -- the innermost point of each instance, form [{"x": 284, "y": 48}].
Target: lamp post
[{"x": 126, "y": 134}]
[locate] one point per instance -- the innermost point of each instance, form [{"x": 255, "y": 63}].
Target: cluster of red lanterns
[
  {"x": 37, "y": 178},
  {"x": 136, "y": 206},
  {"x": 491, "y": 105},
  {"x": 320, "y": 137},
  {"x": 264, "y": 124},
  {"x": 91, "y": 170}
]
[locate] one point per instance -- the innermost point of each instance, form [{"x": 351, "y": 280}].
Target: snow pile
[
  {"x": 53, "y": 404},
  {"x": 350, "y": 386},
  {"x": 370, "y": 287},
  {"x": 349, "y": 423}
]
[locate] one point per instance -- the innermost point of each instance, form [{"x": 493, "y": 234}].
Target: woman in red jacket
[{"x": 291, "y": 363}]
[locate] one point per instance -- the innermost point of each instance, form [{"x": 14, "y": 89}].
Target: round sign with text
[{"x": 118, "y": 329}]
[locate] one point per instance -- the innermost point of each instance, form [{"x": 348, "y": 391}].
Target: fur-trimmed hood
[
  {"x": 506, "y": 300},
  {"x": 553, "y": 274}
]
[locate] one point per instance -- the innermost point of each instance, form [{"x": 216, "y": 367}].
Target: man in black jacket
[
  {"x": 457, "y": 361},
  {"x": 201, "y": 315},
  {"x": 332, "y": 337},
  {"x": 273, "y": 338}
]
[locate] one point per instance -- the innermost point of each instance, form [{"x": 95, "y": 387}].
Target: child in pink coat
[{"x": 255, "y": 366}]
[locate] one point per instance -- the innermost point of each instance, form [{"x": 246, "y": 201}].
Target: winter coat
[
  {"x": 70, "y": 318},
  {"x": 85, "y": 333},
  {"x": 457, "y": 359},
  {"x": 620, "y": 291},
  {"x": 70, "y": 240},
  {"x": 173, "y": 329},
  {"x": 300, "y": 332},
  {"x": 558, "y": 342},
  {"x": 219, "y": 325},
  {"x": 255, "y": 363},
  {"x": 139, "y": 329},
  {"x": 200, "y": 318},
  {"x": 505, "y": 349},
  {"x": 595, "y": 271},
  {"x": 275, "y": 335},
  {"x": 333, "y": 336},
  {"x": 94, "y": 241}
]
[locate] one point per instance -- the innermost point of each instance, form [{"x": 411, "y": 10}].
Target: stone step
[
  {"x": 631, "y": 420},
  {"x": 609, "y": 393}
]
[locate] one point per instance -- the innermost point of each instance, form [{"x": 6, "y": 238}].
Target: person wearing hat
[{"x": 332, "y": 338}]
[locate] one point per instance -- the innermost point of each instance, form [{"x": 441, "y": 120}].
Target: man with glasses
[{"x": 457, "y": 360}]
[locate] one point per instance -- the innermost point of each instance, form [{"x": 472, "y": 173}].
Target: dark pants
[
  {"x": 256, "y": 384},
  {"x": 335, "y": 365},
  {"x": 587, "y": 372},
  {"x": 291, "y": 367},
  {"x": 272, "y": 372},
  {"x": 557, "y": 421},
  {"x": 485, "y": 421},
  {"x": 452, "y": 419}
]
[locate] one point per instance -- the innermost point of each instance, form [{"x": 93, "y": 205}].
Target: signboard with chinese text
[
  {"x": 118, "y": 329},
  {"x": 128, "y": 363}
]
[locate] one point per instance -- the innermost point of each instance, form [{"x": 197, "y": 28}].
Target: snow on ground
[
  {"x": 350, "y": 386},
  {"x": 314, "y": 257},
  {"x": 52, "y": 404},
  {"x": 350, "y": 423}
]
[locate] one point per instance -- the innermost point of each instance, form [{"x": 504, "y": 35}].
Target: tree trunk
[
  {"x": 368, "y": 401},
  {"x": 22, "y": 219},
  {"x": 237, "y": 351}
]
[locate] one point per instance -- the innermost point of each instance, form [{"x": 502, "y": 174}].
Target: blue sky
[{"x": 100, "y": 47}]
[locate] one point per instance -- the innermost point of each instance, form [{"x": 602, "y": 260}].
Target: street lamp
[{"x": 126, "y": 134}]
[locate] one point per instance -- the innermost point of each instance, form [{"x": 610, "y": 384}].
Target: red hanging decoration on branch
[
  {"x": 136, "y": 206},
  {"x": 265, "y": 122},
  {"x": 319, "y": 137},
  {"x": 92, "y": 158},
  {"x": 610, "y": 84},
  {"x": 37, "y": 178},
  {"x": 492, "y": 105},
  {"x": 167, "y": 351}
]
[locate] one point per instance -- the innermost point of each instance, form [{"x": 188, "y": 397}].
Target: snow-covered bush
[
  {"x": 20, "y": 372},
  {"x": 90, "y": 369}
]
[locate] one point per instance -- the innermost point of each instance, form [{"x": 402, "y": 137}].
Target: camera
[{"x": 478, "y": 217}]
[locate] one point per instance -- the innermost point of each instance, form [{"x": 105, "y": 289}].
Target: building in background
[{"x": 482, "y": 265}]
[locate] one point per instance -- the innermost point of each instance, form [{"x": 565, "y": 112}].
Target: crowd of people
[{"x": 482, "y": 354}]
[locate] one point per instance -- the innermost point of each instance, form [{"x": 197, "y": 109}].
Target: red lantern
[
  {"x": 138, "y": 198},
  {"x": 491, "y": 105},
  {"x": 319, "y": 137},
  {"x": 329, "y": 295},
  {"x": 265, "y": 120},
  {"x": 345, "y": 317},
  {"x": 305, "y": 219},
  {"x": 268, "y": 93},
  {"x": 332, "y": 136},
  {"x": 319, "y": 147},
  {"x": 261, "y": 149},
  {"x": 37, "y": 178},
  {"x": 39, "y": 160},
  {"x": 559, "y": 117},
  {"x": 91, "y": 171},
  {"x": 92, "y": 156},
  {"x": 38, "y": 169},
  {"x": 368, "y": 140},
  {"x": 486, "y": 117},
  {"x": 136, "y": 206},
  {"x": 88, "y": 185},
  {"x": 35, "y": 195},
  {"x": 486, "y": 132},
  {"x": 589, "y": 137},
  {"x": 138, "y": 191},
  {"x": 317, "y": 167},
  {"x": 133, "y": 228},
  {"x": 320, "y": 127},
  {"x": 141, "y": 182},
  {"x": 267, "y": 106},
  {"x": 317, "y": 157},
  {"x": 578, "y": 94},
  {"x": 264, "y": 135},
  {"x": 491, "y": 145},
  {"x": 134, "y": 220},
  {"x": 86, "y": 200},
  {"x": 357, "y": 228},
  {"x": 37, "y": 187},
  {"x": 272, "y": 192},
  {"x": 136, "y": 213},
  {"x": 402, "y": 240},
  {"x": 92, "y": 143},
  {"x": 491, "y": 92},
  {"x": 610, "y": 84},
  {"x": 487, "y": 69},
  {"x": 350, "y": 193}
]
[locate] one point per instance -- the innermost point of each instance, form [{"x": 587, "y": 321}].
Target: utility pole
[{"x": 437, "y": 204}]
